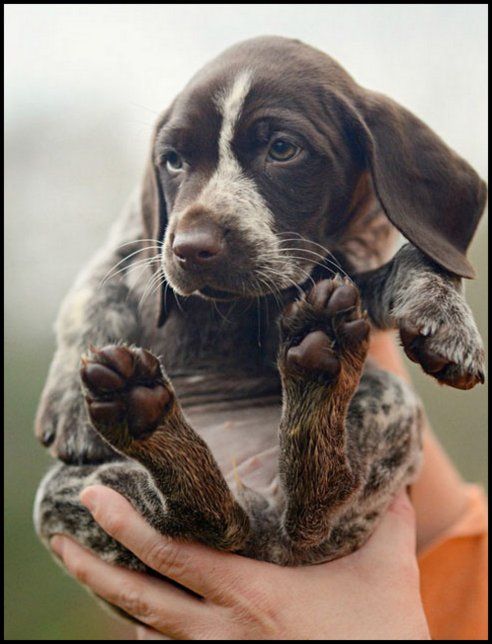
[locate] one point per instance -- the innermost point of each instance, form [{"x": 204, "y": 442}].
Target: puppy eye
[
  {"x": 282, "y": 150},
  {"x": 174, "y": 163}
]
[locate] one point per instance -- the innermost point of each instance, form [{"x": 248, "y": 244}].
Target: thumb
[{"x": 396, "y": 535}]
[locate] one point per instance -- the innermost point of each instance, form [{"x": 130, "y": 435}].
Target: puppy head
[{"x": 255, "y": 165}]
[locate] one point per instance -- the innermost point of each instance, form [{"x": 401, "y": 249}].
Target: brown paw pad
[
  {"x": 355, "y": 332},
  {"x": 147, "y": 366},
  {"x": 326, "y": 328},
  {"x": 99, "y": 378},
  {"x": 454, "y": 376},
  {"x": 315, "y": 352},
  {"x": 106, "y": 413},
  {"x": 441, "y": 368},
  {"x": 120, "y": 359},
  {"x": 334, "y": 296},
  {"x": 126, "y": 392},
  {"x": 146, "y": 407},
  {"x": 321, "y": 292}
]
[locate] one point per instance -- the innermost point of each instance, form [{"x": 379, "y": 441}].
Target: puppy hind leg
[
  {"x": 131, "y": 403},
  {"x": 57, "y": 507}
]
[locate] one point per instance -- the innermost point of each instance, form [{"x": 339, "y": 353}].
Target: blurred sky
[{"x": 84, "y": 85}]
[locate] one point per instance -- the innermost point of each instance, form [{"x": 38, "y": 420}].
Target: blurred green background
[{"x": 83, "y": 86}]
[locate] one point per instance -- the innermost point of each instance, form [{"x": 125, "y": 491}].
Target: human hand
[{"x": 371, "y": 594}]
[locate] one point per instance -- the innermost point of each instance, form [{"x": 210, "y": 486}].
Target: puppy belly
[{"x": 244, "y": 443}]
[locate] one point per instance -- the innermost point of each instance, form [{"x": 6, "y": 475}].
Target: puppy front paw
[
  {"x": 127, "y": 394},
  {"x": 325, "y": 332},
  {"x": 437, "y": 330}
]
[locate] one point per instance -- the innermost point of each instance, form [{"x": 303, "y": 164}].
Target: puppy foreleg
[
  {"x": 324, "y": 345},
  {"x": 426, "y": 303},
  {"x": 132, "y": 405}
]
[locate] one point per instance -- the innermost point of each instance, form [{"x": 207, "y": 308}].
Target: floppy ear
[
  {"x": 427, "y": 191},
  {"x": 154, "y": 215}
]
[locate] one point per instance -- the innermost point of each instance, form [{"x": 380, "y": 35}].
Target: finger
[
  {"x": 201, "y": 569},
  {"x": 144, "y": 633},
  {"x": 152, "y": 601}
]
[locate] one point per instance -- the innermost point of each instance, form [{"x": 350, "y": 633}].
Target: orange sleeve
[{"x": 453, "y": 573}]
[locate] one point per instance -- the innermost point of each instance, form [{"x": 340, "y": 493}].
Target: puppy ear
[
  {"x": 427, "y": 191},
  {"x": 154, "y": 215}
]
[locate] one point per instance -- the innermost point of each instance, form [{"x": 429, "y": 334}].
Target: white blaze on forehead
[
  {"x": 230, "y": 197},
  {"x": 229, "y": 193},
  {"x": 230, "y": 104},
  {"x": 233, "y": 199}
]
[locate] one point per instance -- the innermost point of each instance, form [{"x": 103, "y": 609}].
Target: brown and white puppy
[
  {"x": 273, "y": 156},
  {"x": 272, "y": 175},
  {"x": 274, "y": 137}
]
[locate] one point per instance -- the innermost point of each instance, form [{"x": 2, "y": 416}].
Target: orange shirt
[{"x": 453, "y": 573}]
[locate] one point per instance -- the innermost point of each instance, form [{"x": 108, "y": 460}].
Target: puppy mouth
[
  {"x": 205, "y": 290},
  {"x": 230, "y": 285},
  {"x": 216, "y": 294}
]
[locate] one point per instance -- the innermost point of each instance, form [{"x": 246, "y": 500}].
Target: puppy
[{"x": 252, "y": 262}]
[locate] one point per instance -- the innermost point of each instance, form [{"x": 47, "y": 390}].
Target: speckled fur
[
  {"x": 413, "y": 292},
  {"x": 348, "y": 433},
  {"x": 347, "y": 442},
  {"x": 382, "y": 425}
]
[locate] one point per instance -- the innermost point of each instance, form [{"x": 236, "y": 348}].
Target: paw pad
[
  {"x": 419, "y": 348},
  {"x": 125, "y": 387},
  {"x": 326, "y": 327},
  {"x": 315, "y": 352}
]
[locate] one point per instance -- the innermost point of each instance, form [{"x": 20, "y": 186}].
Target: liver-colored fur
[{"x": 261, "y": 428}]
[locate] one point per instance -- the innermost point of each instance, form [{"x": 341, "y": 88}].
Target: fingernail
[
  {"x": 88, "y": 498},
  {"x": 57, "y": 544}
]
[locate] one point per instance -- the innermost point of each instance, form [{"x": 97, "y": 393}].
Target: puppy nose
[{"x": 200, "y": 245}]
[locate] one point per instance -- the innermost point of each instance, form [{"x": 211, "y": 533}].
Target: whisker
[
  {"x": 267, "y": 317},
  {"x": 125, "y": 259},
  {"x": 219, "y": 312},
  {"x": 287, "y": 277},
  {"x": 309, "y": 241},
  {"x": 150, "y": 285},
  {"x": 326, "y": 261},
  {"x": 139, "y": 264},
  {"x": 271, "y": 287},
  {"x": 311, "y": 261},
  {"x": 158, "y": 285},
  {"x": 309, "y": 276},
  {"x": 258, "y": 336},
  {"x": 165, "y": 298},
  {"x": 311, "y": 252},
  {"x": 176, "y": 297},
  {"x": 140, "y": 241}
]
